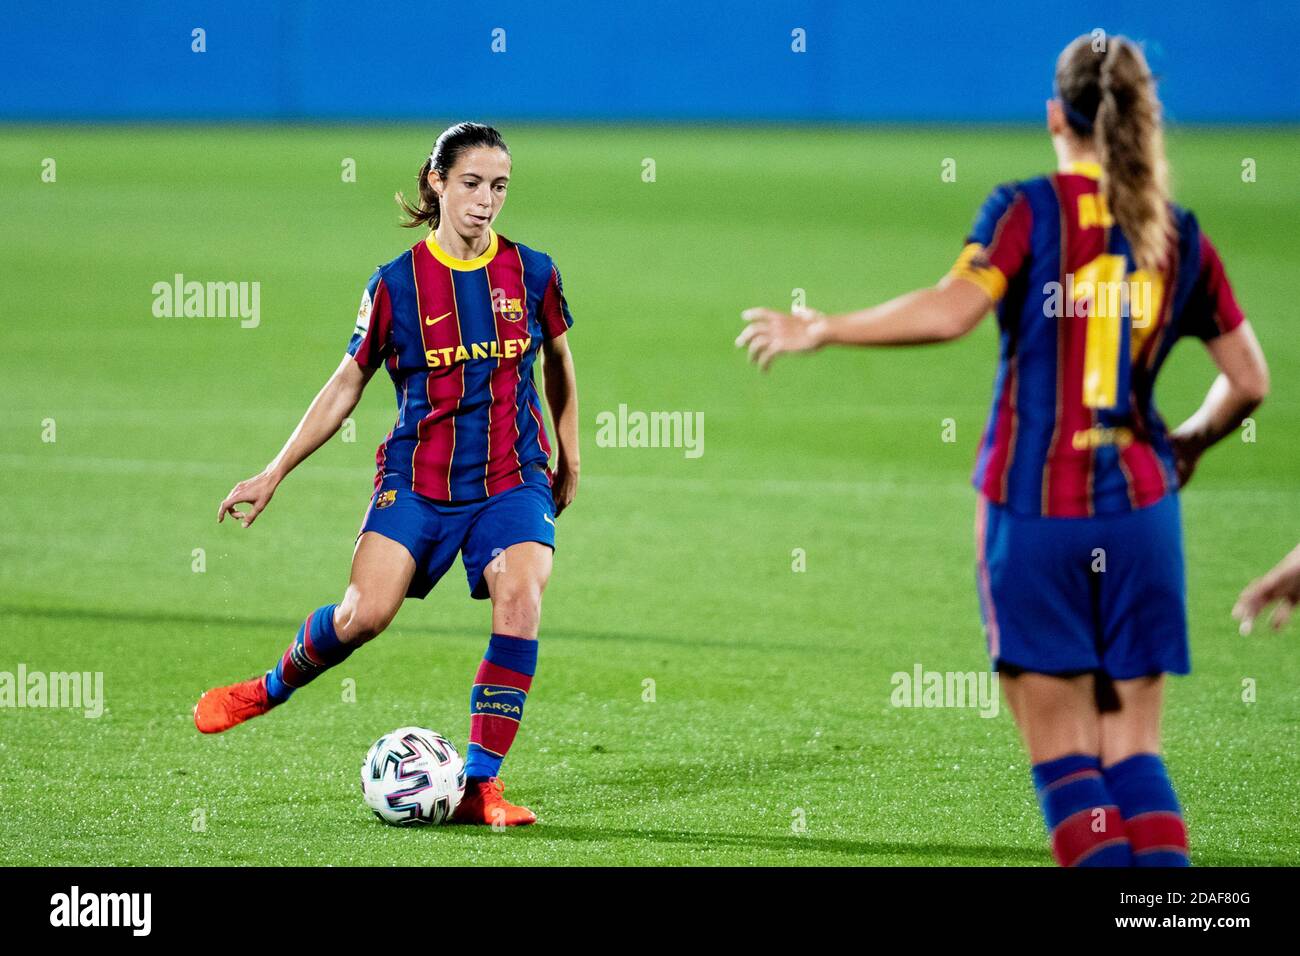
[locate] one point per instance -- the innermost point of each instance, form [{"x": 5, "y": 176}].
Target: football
[{"x": 413, "y": 776}]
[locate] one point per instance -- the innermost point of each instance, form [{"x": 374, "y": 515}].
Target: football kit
[
  {"x": 1079, "y": 547},
  {"x": 465, "y": 468}
]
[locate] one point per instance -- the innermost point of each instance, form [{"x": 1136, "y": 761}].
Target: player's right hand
[
  {"x": 255, "y": 492},
  {"x": 768, "y": 333},
  {"x": 1282, "y": 585}
]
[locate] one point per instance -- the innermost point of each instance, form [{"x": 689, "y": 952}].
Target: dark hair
[
  {"x": 453, "y": 142},
  {"x": 1109, "y": 93}
]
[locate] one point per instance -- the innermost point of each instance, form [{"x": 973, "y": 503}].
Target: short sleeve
[
  {"x": 372, "y": 336},
  {"x": 1212, "y": 308},
  {"x": 556, "y": 318},
  {"x": 998, "y": 243}
]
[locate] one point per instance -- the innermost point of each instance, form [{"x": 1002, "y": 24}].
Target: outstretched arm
[
  {"x": 561, "y": 384},
  {"x": 939, "y": 314},
  {"x": 322, "y": 419},
  {"x": 1241, "y": 385}
]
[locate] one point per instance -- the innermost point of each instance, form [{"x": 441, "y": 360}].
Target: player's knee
[
  {"x": 362, "y": 621},
  {"x": 519, "y": 599}
]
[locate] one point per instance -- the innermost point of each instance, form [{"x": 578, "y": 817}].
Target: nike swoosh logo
[
  {"x": 429, "y": 321},
  {"x": 547, "y": 519},
  {"x": 487, "y": 692}
]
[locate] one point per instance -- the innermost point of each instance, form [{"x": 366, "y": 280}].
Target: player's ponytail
[
  {"x": 1131, "y": 146},
  {"x": 454, "y": 141},
  {"x": 1109, "y": 94},
  {"x": 426, "y": 213}
]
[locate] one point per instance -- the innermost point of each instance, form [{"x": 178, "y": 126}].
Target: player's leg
[
  {"x": 381, "y": 576},
  {"x": 1037, "y": 597},
  {"x": 1144, "y": 612},
  {"x": 1056, "y": 715},
  {"x": 515, "y": 581},
  {"x": 1136, "y": 776},
  {"x": 508, "y": 558},
  {"x": 381, "y": 573},
  {"x": 1058, "y": 721}
]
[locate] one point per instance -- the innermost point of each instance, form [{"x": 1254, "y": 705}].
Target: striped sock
[
  {"x": 314, "y": 650},
  {"x": 1152, "y": 816},
  {"x": 1083, "y": 820},
  {"x": 496, "y": 703}
]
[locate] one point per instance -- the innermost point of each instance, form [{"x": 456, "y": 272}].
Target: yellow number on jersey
[{"x": 1105, "y": 289}]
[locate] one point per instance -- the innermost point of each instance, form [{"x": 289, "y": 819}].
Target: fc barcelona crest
[
  {"x": 512, "y": 310},
  {"x": 386, "y": 498}
]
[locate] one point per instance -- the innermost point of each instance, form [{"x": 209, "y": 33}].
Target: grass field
[{"x": 771, "y": 687}]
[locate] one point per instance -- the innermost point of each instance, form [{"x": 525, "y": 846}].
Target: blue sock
[
  {"x": 496, "y": 703},
  {"x": 1083, "y": 820},
  {"x": 1152, "y": 816},
  {"x": 314, "y": 650}
]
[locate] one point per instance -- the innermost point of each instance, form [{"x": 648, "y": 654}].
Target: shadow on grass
[
  {"x": 921, "y": 853},
  {"x": 913, "y": 854},
  {"x": 287, "y": 624}
]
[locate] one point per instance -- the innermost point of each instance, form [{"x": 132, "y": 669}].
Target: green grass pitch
[{"x": 771, "y": 687}]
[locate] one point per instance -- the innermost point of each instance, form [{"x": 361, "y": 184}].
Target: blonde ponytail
[
  {"x": 1128, "y": 136},
  {"x": 1132, "y": 150}
]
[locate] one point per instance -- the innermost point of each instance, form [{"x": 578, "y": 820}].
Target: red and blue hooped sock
[
  {"x": 496, "y": 703},
  {"x": 1152, "y": 816},
  {"x": 314, "y": 650},
  {"x": 1084, "y": 822}
]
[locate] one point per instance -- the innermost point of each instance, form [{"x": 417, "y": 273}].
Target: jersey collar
[
  {"x": 1091, "y": 170},
  {"x": 463, "y": 265}
]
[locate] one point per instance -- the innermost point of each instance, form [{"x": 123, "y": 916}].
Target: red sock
[{"x": 496, "y": 704}]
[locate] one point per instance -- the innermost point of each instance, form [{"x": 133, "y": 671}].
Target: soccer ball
[{"x": 412, "y": 776}]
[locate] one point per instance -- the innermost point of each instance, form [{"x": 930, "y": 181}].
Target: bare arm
[
  {"x": 561, "y": 384},
  {"x": 332, "y": 404},
  {"x": 939, "y": 314},
  {"x": 1241, "y": 385}
]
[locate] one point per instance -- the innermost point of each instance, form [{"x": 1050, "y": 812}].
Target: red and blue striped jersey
[
  {"x": 1074, "y": 429},
  {"x": 459, "y": 338}
]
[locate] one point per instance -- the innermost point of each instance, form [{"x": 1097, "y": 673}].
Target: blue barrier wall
[{"x": 1220, "y": 61}]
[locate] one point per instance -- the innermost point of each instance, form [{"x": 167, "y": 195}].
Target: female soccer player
[
  {"x": 458, "y": 320},
  {"x": 1094, "y": 274}
]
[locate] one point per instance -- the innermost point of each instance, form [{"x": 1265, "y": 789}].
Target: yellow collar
[
  {"x": 1091, "y": 170},
  {"x": 463, "y": 265}
]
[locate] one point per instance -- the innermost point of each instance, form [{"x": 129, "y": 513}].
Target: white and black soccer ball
[{"x": 413, "y": 776}]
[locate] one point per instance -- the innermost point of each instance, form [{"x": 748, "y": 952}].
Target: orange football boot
[
  {"x": 223, "y": 707},
  {"x": 483, "y": 803}
]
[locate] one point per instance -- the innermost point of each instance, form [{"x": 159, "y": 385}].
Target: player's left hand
[
  {"x": 1187, "y": 452},
  {"x": 564, "y": 485},
  {"x": 769, "y": 333}
]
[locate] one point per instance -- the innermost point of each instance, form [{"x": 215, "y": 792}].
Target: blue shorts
[
  {"x": 1072, "y": 595},
  {"x": 435, "y": 532}
]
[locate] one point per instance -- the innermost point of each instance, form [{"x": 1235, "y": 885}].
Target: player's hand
[
  {"x": 564, "y": 485},
  {"x": 255, "y": 492},
  {"x": 1282, "y": 585},
  {"x": 768, "y": 333},
  {"x": 1187, "y": 452}
]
